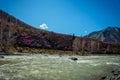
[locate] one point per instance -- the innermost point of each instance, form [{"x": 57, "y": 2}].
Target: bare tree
[
  {"x": 76, "y": 45},
  {"x": 10, "y": 33},
  {"x": 98, "y": 46},
  {"x": 1, "y": 33},
  {"x": 93, "y": 45},
  {"x": 6, "y": 32},
  {"x": 83, "y": 45}
]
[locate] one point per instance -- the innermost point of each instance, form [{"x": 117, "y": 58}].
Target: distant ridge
[{"x": 110, "y": 34}]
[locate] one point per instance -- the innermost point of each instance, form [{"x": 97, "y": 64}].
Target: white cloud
[
  {"x": 85, "y": 31},
  {"x": 43, "y": 26}
]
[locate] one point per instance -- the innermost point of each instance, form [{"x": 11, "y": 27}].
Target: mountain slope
[
  {"x": 23, "y": 35},
  {"x": 16, "y": 35},
  {"x": 110, "y": 34}
]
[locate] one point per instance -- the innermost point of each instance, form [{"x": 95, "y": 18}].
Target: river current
[{"x": 56, "y": 67}]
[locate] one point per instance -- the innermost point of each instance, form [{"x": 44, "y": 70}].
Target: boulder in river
[
  {"x": 2, "y": 56},
  {"x": 103, "y": 77},
  {"x": 74, "y": 58}
]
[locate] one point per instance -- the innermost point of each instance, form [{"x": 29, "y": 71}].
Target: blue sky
[{"x": 66, "y": 16}]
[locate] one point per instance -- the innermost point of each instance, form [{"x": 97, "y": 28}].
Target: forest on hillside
[{"x": 16, "y": 35}]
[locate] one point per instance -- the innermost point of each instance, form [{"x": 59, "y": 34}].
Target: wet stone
[
  {"x": 1, "y": 56},
  {"x": 104, "y": 77}
]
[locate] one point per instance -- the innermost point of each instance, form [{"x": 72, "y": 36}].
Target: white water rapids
[{"x": 55, "y": 67}]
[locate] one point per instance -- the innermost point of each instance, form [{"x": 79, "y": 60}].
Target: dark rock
[
  {"x": 2, "y": 57},
  {"x": 74, "y": 58},
  {"x": 112, "y": 78},
  {"x": 104, "y": 77},
  {"x": 60, "y": 55},
  {"x": 118, "y": 78},
  {"x": 112, "y": 71},
  {"x": 116, "y": 74},
  {"x": 46, "y": 55},
  {"x": 118, "y": 71}
]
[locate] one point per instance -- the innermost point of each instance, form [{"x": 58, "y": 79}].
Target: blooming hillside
[{"x": 15, "y": 35}]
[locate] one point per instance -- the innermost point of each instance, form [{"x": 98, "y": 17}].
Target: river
[{"x": 56, "y": 67}]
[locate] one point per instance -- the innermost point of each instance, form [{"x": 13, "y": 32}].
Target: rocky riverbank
[{"x": 114, "y": 75}]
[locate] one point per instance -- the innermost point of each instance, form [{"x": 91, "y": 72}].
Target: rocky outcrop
[
  {"x": 114, "y": 75},
  {"x": 110, "y": 34}
]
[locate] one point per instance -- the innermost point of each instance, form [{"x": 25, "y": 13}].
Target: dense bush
[{"x": 44, "y": 40}]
